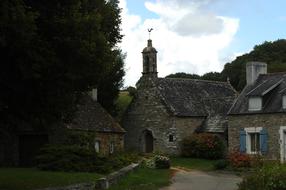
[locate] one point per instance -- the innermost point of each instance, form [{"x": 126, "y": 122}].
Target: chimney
[
  {"x": 253, "y": 70},
  {"x": 94, "y": 94}
]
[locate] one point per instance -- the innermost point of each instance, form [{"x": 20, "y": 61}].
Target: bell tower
[{"x": 149, "y": 54}]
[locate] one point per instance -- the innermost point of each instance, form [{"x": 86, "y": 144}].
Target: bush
[
  {"x": 220, "y": 164},
  {"x": 131, "y": 91},
  {"x": 203, "y": 145},
  {"x": 256, "y": 161},
  {"x": 267, "y": 178},
  {"x": 122, "y": 159},
  {"x": 71, "y": 158},
  {"x": 82, "y": 159},
  {"x": 239, "y": 160},
  {"x": 162, "y": 162}
]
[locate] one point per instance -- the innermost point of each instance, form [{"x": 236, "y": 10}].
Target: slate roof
[
  {"x": 91, "y": 116},
  {"x": 192, "y": 97},
  {"x": 271, "y": 87}
]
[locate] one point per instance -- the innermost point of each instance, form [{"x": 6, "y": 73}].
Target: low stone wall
[
  {"x": 81, "y": 186},
  {"x": 102, "y": 183},
  {"x": 113, "y": 178}
]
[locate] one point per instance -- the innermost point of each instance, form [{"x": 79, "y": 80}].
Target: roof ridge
[{"x": 200, "y": 80}]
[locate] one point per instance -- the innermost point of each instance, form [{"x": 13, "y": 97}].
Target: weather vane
[{"x": 150, "y": 30}]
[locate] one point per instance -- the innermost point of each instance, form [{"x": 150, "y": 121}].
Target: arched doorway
[{"x": 148, "y": 141}]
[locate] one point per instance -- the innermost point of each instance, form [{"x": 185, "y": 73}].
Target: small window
[
  {"x": 171, "y": 138},
  {"x": 284, "y": 101},
  {"x": 255, "y": 104},
  {"x": 254, "y": 142},
  {"x": 111, "y": 147},
  {"x": 253, "y": 135},
  {"x": 97, "y": 146}
]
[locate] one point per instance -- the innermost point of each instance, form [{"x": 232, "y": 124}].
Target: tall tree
[
  {"x": 273, "y": 53},
  {"x": 54, "y": 50}
]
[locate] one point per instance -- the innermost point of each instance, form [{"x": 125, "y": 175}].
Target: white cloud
[{"x": 188, "y": 37}]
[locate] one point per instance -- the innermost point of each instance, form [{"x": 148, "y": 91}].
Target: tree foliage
[
  {"x": 214, "y": 76},
  {"x": 51, "y": 51},
  {"x": 273, "y": 53}
]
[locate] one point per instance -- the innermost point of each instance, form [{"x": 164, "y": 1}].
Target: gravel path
[{"x": 199, "y": 180}]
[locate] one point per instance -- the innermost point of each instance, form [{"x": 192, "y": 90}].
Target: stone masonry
[
  {"x": 148, "y": 112},
  {"x": 272, "y": 122}
]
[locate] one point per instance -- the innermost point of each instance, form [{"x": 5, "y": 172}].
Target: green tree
[
  {"x": 109, "y": 85},
  {"x": 184, "y": 75},
  {"x": 51, "y": 52},
  {"x": 273, "y": 53},
  {"x": 214, "y": 76}
]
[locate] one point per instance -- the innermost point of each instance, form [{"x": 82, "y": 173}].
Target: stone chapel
[{"x": 166, "y": 110}]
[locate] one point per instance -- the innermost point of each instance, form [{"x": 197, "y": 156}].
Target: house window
[
  {"x": 111, "y": 147},
  {"x": 97, "y": 146},
  {"x": 284, "y": 101},
  {"x": 171, "y": 138},
  {"x": 253, "y": 140},
  {"x": 254, "y": 103}
]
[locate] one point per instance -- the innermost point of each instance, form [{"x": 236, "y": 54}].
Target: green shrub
[
  {"x": 71, "y": 158},
  {"x": 122, "y": 159},
  {"x": 162, "y": 162},
  {"x": 267, "y": 178},
  {"x": 78, "y": 158},
  {"x": 257, "y": 161},
  {"x": 220, "y": 164},
  {"x": 203, "y": 145}
]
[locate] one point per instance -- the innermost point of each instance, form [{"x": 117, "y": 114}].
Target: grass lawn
[
  {"x": 122, "y": 103},
  {"x": 30, "y": 178},
  {"x": 193, "y": 163},
  {"x": 144, "y": 179}
]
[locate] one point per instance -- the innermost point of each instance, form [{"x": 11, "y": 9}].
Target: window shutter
[
  {"x": 263, "y": 141},
  {"x": 242, "y": 138}
]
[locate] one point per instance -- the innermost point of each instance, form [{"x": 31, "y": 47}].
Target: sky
[{"x": 196, "y": 36}]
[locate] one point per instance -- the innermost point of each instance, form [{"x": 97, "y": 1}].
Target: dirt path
[{"x": 199, "y": 180}]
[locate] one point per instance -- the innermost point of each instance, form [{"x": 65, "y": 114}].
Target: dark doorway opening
[
  {"x": 29, "y": 147},
  {"x": 149, "y": 140}
]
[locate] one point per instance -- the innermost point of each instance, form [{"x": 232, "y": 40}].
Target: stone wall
[
  {"x": 81, "y": 186},
  {"x": 272, "y": 122},
  {"x": 179, "y": 127},
  {"x": 148, "y": 112},
  {"x": 102, "y": 183},
  {"x": 105, "y": 140},
  {"x": 145, "y": 112}
]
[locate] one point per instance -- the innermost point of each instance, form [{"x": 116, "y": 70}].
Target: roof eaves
[
  {"x": 282, "y": 91},
  {"x": 256, "y": 88},
  {"x": 272, "y": 87},
  {"x": 235, "y": 101}
]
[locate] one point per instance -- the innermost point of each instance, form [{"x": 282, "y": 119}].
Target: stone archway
[{"x": 148, "y": 141}]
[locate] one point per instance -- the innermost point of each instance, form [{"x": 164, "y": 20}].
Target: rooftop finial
[{"x": 150, "y": 30}]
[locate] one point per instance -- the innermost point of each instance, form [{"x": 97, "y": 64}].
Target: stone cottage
[
  {"x": 166, "y": 110},
  {"x": 257, "y": 119},
  {"x": 19, "y": 147},
  {"x": 91, "y": 117}
]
